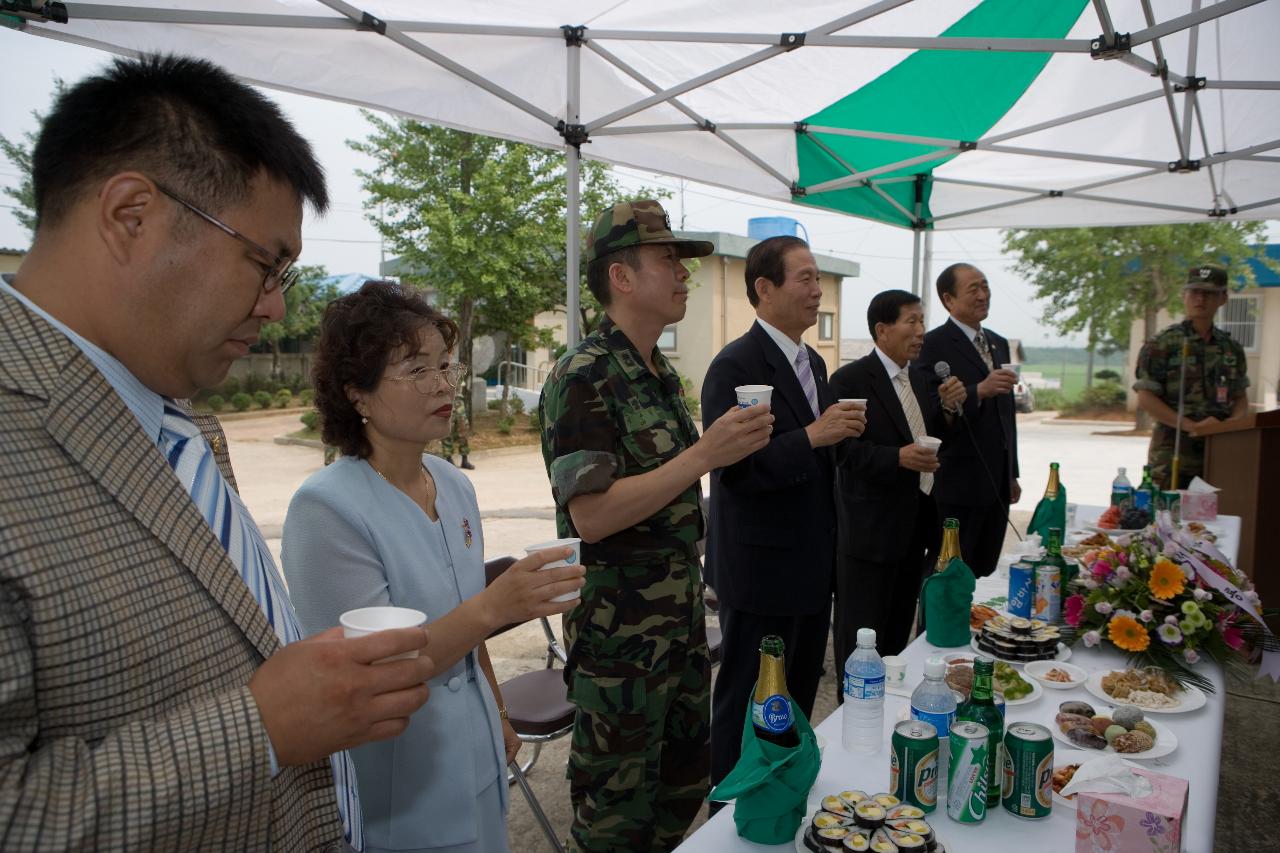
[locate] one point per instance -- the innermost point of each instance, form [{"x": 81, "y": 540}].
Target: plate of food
[
  {"x": 1062, "y": 653},
  {"x": 1115, "y": 731},
  {"x": 1065, "y": 764},
  {"x": 857, "y": 821},
  {"x": 1056, "y": 675},
  {"x": 1012, "y": 687},
  {"x": 1150, "y": 689}
]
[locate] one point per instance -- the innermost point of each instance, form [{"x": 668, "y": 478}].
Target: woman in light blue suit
[{"x": 386, "y": 524}]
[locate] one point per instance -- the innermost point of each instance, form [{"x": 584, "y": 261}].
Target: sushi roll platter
[{"x": 857, "y": 822}]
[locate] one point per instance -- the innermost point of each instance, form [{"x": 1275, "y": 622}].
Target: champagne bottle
[
  {"x": 980, "y": 707},
  {"x": 771, "y": 711},
  {"x": 950, "y": 543},
  {"x": 1051, "y": 488},
  {"x": 1051, "y": 511},
  {"x": 1053, "y": 555}
]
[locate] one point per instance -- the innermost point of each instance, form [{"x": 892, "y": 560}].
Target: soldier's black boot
[{"x": 466, "y": 464}]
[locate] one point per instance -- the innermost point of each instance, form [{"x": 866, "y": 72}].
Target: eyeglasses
[
  {"x": 426, "y": 380},
  {"x": 280, "y": 271}
]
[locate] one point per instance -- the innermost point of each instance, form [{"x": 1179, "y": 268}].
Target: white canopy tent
[{"x": 927, "y": 114}]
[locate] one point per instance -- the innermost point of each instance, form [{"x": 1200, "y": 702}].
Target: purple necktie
[{"x": 805, "y": 375}]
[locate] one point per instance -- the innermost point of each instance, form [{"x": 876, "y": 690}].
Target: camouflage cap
[
  {"x": 642, "y": 222},
  {"x": 1207, "y": 277}
]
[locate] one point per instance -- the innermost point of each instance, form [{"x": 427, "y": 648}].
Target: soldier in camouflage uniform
[
  {"x": 624, "y": 459},
  {"x": 1215, "y": 378},
  {"x": 459, "y": 429}
]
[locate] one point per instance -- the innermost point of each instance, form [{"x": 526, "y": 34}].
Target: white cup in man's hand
[
  {"x": 1015, "y": 369},
  {"x": 753, "y": 395},
  {"x": 856, "y": 402},
  {"x": 574, "y": 559},
  {"x": 929, "y": 443},
  {"x": 370, "y": 620}
]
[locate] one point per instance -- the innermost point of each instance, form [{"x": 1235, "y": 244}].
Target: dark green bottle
[
  {"x": 980, "y": 707},
  {"x": 1053, "y": 556}
]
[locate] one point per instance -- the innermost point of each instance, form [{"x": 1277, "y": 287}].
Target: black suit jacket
[
  {"x": 962, "y": 479},
  {"x": 772, "y": 532},
  {"x": 878, "y": 498}
]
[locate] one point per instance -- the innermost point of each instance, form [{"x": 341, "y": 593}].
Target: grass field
[{"x": 1071, "y": 375}]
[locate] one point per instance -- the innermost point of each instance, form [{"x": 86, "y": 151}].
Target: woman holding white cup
[{"x": 387, "y": 526}]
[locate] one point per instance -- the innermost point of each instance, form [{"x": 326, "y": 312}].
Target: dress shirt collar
[
  {"x": 789, "y": 347},
  {"x": 147, "y": 406},
  {"x": 891, "y": 366},
  {"x": 969, "y": 331}
]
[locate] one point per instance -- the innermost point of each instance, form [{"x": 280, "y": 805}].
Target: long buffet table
[{"x": 1196, "y": 758}]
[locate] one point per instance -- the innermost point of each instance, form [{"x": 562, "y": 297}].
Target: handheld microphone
[{"x": 943, "y": 371}]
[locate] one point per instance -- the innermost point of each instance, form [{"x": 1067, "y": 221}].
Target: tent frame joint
[
  {"x": 575, "y": 35},
  {"x": 35, "y": 10},
  {"x": 708, "y": 125},
  {"x": 968, "y": 146},
  {"x": 1192, "y": 84},
  {"x": 1184, "y": 166},
  {"x": 1221, "y": 213},
  {"x": 1113, "y": 46},
  {"x": 802, "y": 127},
  {"x": 372, "y": 23},
  {"x": 1055, "y": 193},
  {"x": 573, "y": 134},
  {"x": 798, "y": 191},
  {"x": 790, "y": 41}
]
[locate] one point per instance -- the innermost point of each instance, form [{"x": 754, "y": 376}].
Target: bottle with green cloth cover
[{"x": 771, "y": 712}]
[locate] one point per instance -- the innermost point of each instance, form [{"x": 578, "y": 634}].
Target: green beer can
[
  {"x": 1026, "y": 787},
  {"x": 967, "y": 772},
  {"x": 913, "y": 764}
]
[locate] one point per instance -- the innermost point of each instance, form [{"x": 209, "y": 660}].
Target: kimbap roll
[
  {"x": 857, "y": 842},
  {"x": 882, "y": 843},
  {"x": 822, "y": 820},
  {"x": 836, "y": 806},
  {"x": 887, "y": 800},
  {"x": 908, "y": 842},
  {"x": 906, "y": 810},
  {"x": 852, "y": 798},
  {"x": 869, "y": 814}
]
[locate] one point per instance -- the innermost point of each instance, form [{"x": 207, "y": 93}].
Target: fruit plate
[
  {"x": 1166, "y": 741},
  {"x": 1039, "y": 669},
  {"x": 1036, "y": 692},
  {"x": 1064, "y": 653},
  {"x": 1191, "y": 699}
]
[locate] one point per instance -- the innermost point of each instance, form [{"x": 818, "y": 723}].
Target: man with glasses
[
  {"x": 154, "y": 689},
  {"x": 1213, "y": 383}
]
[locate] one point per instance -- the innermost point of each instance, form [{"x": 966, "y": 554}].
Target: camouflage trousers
[
  {"x": 1160, "y": 458},
  {"x": 456, "y": 441},
  {"x": 638, "y": 774}
]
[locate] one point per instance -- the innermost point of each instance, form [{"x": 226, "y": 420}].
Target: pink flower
[
  {"x": 1092, "y": 638},
  {"x": 1103, "y": 607},
  {"x": 1101, "y": 569},
  {"x": 1233, "y": 637},
  {"x": 1190, "y": 655},
  {"x": 1124, "y": 557},
  {"x": 1073, "y": 609},
  {"x": 1090, "y": 557},
  {"x": 1146, "y": 616}
]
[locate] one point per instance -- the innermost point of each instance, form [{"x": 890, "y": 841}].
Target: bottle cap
[
  {"x": 867, "y": 637},
  {"x": 935, "y": 667},
  {"x": 1121, "y": 469}
]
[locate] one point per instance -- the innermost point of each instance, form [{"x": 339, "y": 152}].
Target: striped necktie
[
  {"x": 915, "y": 420},
  {"x": 805, "y": 374},
  {"x": 984, "y": 349},
  {"x": 191, "y": 459}
]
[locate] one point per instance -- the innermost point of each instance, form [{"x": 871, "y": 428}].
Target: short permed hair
[
  {"x": 886, "y": 307},
  {"x": 185, "y": 123},
  {"x": 767, "y": 259},
  {"x": 358, "y": 334},
  {"x": 598, "y": 271}
]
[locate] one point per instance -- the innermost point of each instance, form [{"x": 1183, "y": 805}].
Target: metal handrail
[{"x": 540, "y": 374}]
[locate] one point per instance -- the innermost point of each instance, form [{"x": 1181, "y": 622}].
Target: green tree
[
  {"x": 304, "y": 306},
  {"x": 478, "y": 220},
  {"x": 18, "y": 152},
  {"x": 1099, "y": 280}
]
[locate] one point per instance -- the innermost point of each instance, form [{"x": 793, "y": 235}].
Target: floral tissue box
[{"x": 1115, "y": 823}]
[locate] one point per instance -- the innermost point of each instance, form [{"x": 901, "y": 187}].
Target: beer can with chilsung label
[
  {"x": 967, "y": 773},
  {"x": 1026, "y": 782},
  {"x": 913, "y": 764},
  {"x": 1022, "y": 588}
]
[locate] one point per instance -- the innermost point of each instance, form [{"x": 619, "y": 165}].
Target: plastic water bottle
[
  {"x": 864, "y": 696},
  {"x": 933, "y": 702},
  {"x": 1121, "y": 490}
]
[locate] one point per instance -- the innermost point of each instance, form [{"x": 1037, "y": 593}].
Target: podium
[{"x": 1242, "y": 458}]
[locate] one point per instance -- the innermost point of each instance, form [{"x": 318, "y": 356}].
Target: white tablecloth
[{"x": 1196, "y": 759}]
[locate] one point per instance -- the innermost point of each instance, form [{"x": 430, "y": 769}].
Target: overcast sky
[{"x": 344, "y": 241}]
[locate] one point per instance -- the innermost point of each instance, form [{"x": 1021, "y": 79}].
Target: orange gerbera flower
[
  {"x": 1167, "y": 580},
  {"x": 1128, "y": 634}
]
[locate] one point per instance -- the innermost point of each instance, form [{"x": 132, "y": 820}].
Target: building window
[
  {"x": 667, "y": 340},
  {"x": 1240, "y": 318},
  {"x": 826, "y": 325}
]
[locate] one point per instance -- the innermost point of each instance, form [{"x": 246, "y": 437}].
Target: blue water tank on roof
[{"x": 764, "y": 227}]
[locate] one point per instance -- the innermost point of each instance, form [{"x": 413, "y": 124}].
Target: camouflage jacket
[
  {"x": 604, "y": 417},
  {"x": 1215, "y": 370}
]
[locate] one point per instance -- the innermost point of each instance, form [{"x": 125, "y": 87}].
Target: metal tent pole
[
  {"x": 915, "y": 261},
  {"x": 572, "y": 209},
  {"x": 926, "y": 274}
]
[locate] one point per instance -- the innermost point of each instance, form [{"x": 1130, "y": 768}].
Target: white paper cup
[
  {"x": 752, "y": 395},
  {"x": 895, "y": 671},
  {"x": 370, "y": 620},
  {"x": 928, "y": 442},
  {"x": 572, "y": 560},
  {"x": 1015, "y": 369},
  {"x": 858, "y": 402}
]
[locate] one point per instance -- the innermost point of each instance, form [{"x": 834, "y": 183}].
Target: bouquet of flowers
[{"x": 1168, "y": 600}]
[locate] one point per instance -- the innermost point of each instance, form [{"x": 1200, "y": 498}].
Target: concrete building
[{"x": 10, "y": 259}]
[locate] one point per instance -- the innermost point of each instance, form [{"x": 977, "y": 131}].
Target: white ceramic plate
[
  {"x": 1063, "y": 757},
  {"x": 1166, "y": 741},
  {"x": 1038, "y": 669},
  {"x": 967, "y": 658},
  {"x": 1190, "y": 699},
  {"x": 1064, "y": 653}
]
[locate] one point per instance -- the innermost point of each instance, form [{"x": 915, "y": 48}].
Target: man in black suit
[
  {"x": 983, "y": 453},
  {"x": 887, "y": 518},
  {"x": 771, "y": 539}
]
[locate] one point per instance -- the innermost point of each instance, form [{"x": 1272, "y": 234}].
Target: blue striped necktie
[
  {"x": 191, "y": 459},
  {"x": 805, "y": 374}
]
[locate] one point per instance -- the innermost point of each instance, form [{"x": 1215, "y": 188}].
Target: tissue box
[
  {"x": 1119, "y": 824},
  {"x": 1197, "y": 506}
]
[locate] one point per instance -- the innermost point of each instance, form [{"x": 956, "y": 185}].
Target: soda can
[
  {"x": 913, "y": 764},
  {"x": 1048, "y": 603},
  {"x": 1022, "y": 588},
  {"x": 1173, "y": 503},
  {"x": 1026, "y": 785},
  {"x": 967, "y": 773}
]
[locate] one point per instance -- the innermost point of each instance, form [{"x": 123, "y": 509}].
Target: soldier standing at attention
[
  {"x": 459, "y": 429},
  {"x": 624, "y": 458},
  {"x": 1215, "y": 380}
]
